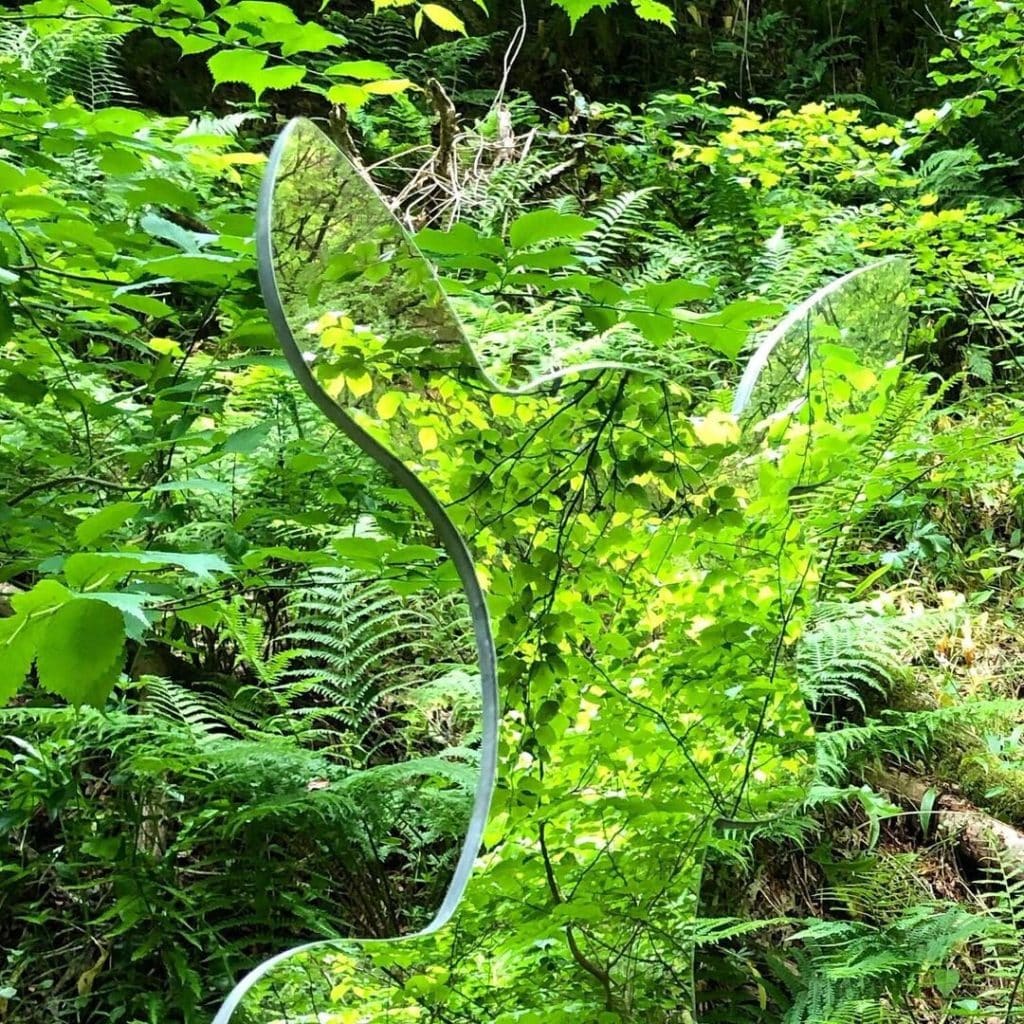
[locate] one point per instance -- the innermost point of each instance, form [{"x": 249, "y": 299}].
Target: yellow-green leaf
[
  {"x": 502, "y": 405},
  {"x": 443, "y": 18},
  {"x": 348, "y": 95},
  {"x": 388, "y": 87},
  {"x": 652, "y": 10},
  {"x": 365, "y": 70},
  {"x": 236, "y": 66},
  {"x": 387, "y": 404},
  {"x": 361, "y": 385},
  {"x": 17, "y": 651}
]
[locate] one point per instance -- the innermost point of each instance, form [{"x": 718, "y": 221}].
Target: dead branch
[{"x": 974, "y": 831}]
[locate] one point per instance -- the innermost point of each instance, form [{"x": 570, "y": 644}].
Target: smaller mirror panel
[
  {"x": 359, "y": 302},
  {"x": 829, "y": 350},
  {"x": 362, "y": 303}
]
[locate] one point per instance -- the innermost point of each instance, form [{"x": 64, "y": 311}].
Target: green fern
[
  {"x": 621, "y": 227},
  {"x": 206, "y": 711},
  {"x": 901, "y": 735},
  {"x": 494, "y": 199},
  {"x": 849, "y": 650},
  {"x": 852, "y": 965},
  {"x": 356, "y": 638},
  {"x": 81, "y": 58},
  {"x": 1002, "y": 995}
]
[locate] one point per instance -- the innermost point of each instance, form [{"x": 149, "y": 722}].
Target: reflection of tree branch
[
  {"x": 61, "y": 480},
  {"x": 662, "y": 720},
  {"x": 578, "y": 955}
]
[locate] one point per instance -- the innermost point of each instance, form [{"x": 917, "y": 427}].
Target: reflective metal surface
[
  {"x": 378, "y": 347},
  {"x": 356, "y": 309},
  {"x": 826, "y": 349}
]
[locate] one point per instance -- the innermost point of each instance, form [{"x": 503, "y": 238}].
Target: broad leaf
[{"x": 81, "y": 651}]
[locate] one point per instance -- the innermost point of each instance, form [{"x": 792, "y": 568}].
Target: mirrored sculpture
[
  {"x": 605, "y": 866},
  {"x": 816, "y": 386},
  {"x": 828, "y": 350}
]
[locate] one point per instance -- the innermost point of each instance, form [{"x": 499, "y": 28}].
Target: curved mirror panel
[
  {"x": 620, "y": 761},
  {"x": 819, "y": 385},
  {"x": 357, "y": 312},
  {"x": 828, "y": 352}
]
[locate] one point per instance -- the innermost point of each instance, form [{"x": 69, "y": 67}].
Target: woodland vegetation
[{"x": 198, "y": 637}]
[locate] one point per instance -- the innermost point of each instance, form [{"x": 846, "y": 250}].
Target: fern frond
[
  {"x": 621, "y": 226},
  {"x": 848, "y": 650}
]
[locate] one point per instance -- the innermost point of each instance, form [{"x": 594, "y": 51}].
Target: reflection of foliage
[
  {"x": 850, "y": 652},
  {"x": 370, "y": 659},
  {"x": 826, "y": 350},
  {"x": 888, "y": 944}
]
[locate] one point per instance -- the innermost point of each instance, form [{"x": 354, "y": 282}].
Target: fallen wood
[
  {"x": 7, "y": 592},
  {"x": 982, "y": 837},
  {"x": 445, "y": 163}
]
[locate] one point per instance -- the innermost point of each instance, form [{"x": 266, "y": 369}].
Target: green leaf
[
  {"x": 246, "y": 440},
  {"x": 131, "y": 606},
  {"x": 107, "y": 519},
  {"x": 656, "y": 327},
  {"x": 249, "y": 68},
  {"x": 667, "y": 295},
  {"x": 81, "y": 651},
  {"x": 261, "y": 15},
  {"x": 502, "y": 405},
  {"x": 749, "y": 310},
  {"x": 93, "y": 569},
  {"x": 459, "y": 240},
  {"x": 237, "y": 66},
  {"x": 162, "y": 228},
  {"x": 7, "y": 326},
  {"x": 282, "y": 77},
  {"x": 190, "y": 8},
  {"x": 201, "y": 565},
  {"x": 544, "y": 225},
  {"x": 548, "y": 259},
  {"x": 90, "y": 570},
  {"x": 194, "y": 485},
  {"x": 727, "y": 338},
  {"x": 20, "y": 388},
  {"x": 365, "y": 70},
  {"x": 652, "y": 10},
  {"x": 195, "y": 268},
  {"x": 346, "y": 95},
  {"x": 307, "y": 38},
  {"x": 388, "y": 87},
  {"x": 577, "y": 9},
  {"x": 191, "y": 42},
  {"x": 210, "y": 614},
  {"x": 17, "y": 651},
  {"x": 45, "y": 595},
  {"x": 443, "y": 18},
  {"x": 926, "y": 809}
]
